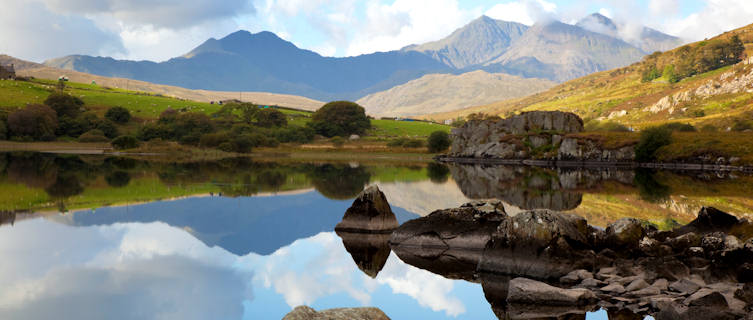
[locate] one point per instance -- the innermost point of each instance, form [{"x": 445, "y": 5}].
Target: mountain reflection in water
[{"x": 244, "y": 239}]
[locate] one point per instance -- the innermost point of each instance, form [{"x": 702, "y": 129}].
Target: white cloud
[
  {"x": 606, "y": 12},
  {"x": 526, "y": 12},
  {"x": 405, "y": 22},
  {"x": 715, "y": 18},
  {"x": 30, "y": 31},
  {"x": 171, "y": 14},
  {"x": 123, "y": 271},
  {"x": 428, "y": 289},
  {"x": 664, "y": 7}
]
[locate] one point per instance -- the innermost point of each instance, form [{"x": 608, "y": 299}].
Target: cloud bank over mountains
[{"x": 157, "y": 30}]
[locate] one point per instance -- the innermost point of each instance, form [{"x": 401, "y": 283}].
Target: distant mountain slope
[
  {"x": 263, "y": 62},
  {"x": 646, "y": 39},
  {"x": 720, "y": 98},
  {"x": 446, "y": 92},
  {"x": 559, "y": 51},
  {"x": 480, "y": 41},
  {"x": 31, "y": 69}
]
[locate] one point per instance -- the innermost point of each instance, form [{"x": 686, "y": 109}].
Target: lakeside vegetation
[{"x": 145, "y": 123}]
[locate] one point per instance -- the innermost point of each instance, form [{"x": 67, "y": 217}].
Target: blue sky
[{"x": 160, "y": 29}]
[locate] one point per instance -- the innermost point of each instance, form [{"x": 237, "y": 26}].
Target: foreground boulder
[
  {"x": 370, "y": 212},
  {"x": 307, "y": 313},
  {"x": 543, "y": 263}
]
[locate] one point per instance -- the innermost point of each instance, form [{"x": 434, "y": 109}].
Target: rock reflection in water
[
  {"x": 369, "y": 251},
  {"x": 531, "y": 187},
  {"x": 545, "y": 264}
]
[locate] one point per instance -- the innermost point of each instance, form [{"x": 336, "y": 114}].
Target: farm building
[{"x": 7, "y": 72}]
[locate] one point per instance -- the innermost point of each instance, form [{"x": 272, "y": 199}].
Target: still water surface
[{"x": 94, "y": 237}]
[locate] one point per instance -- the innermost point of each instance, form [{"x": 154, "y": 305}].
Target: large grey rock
[
  {"x": 370, "y": 212},
  {"x": 468, "y": 227},
  {"x": 496, "y": 139},
  {"x": 307, "y": 313},
  {"x": 626, "y": 231},
  {"x": 540, "y": 227},
  {"x": 527, "y": 291}
]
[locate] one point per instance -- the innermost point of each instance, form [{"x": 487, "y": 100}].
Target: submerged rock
[{"x": 307, "y": 313}]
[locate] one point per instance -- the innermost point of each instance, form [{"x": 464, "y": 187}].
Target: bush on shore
[{"x": 651, "y": 140}]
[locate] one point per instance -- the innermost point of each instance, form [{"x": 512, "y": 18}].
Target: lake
[{"x": 94, "y": 237}]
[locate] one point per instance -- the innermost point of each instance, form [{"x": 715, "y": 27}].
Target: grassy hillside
[
  {"x": 719, "y": 97},
  {"x": 145, "y": 106},
  {"x": 31, "y": 69}
]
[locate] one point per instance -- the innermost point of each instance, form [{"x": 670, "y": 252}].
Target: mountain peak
[
  {"x": 241, "y": 41},
  {"x": 478, "y": 41}
]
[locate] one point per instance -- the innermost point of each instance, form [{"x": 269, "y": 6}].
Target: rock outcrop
[
  {"x": 369, "y": 213},
  {"x": 543, "y": 263},
  {"x": 307, "y": 313},
  {"x": 532, "y": 135}
]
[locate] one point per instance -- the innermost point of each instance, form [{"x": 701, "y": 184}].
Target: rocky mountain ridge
[{"x": 263, "y": 62}]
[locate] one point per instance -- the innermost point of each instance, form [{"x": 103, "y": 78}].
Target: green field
[
  {"x": 394, "y": 129},
  {"x": 16, "y": 94}
]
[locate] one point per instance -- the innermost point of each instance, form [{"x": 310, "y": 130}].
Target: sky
[{"x": 158, "y": 30}]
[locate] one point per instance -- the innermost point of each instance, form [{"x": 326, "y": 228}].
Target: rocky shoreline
[
  {"x": 547, "y": 264},
  {"x": 549, "y": 139},
  {"x": 543, "y": 263}
]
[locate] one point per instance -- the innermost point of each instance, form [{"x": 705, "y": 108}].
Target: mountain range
[
  {"x": 243, "y": 61},
  {"x": 719, "y": 98}
]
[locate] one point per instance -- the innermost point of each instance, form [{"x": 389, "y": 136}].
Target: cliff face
[{"x": 531, "y": 135}]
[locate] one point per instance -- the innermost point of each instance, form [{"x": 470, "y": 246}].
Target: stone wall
[{"x": 531, "y": 135}]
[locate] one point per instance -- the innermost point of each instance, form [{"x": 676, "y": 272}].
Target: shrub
[
  {"x": 610, "y": 126},
  {"x": 397, "y": 142},
  {"x": 118, "y": 115},
  {"x": 3, "y": 129},
  {"x": 337, "y": 141},
  {"x": 125, "y": 142},
  {"x": 681, "y": 127},
  {"x": 107, "y": 127},
  {"x": 413, "y": 143},
  {"x": 154, "y": 131},
  {"x": 340, "y": 118},
  {"x": 243, "y": 143},
  {"x": 35, "y": 121},
  {"x": 64, "y": 104},
  {"x": 93, "y": 136},
  {"x": 651, "y": 140},
  {"x": 295, "y": 134},
  {"x": 271, "y": 118},
  {"x": 226, "y": 146},
  {"x": 438, "y": 141},
  {"x": 741, "y": 125},
  {"x": 708, "y": 128},
  {"x": 213, "y": 140}
]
